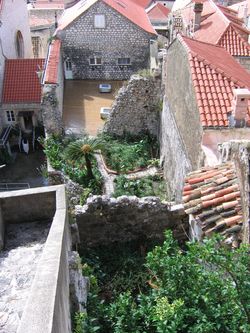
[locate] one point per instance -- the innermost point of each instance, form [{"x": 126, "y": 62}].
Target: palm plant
[{"x": 84, "y": 149}]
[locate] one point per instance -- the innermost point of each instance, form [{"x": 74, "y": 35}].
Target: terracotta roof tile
[
  {"x": 21, "y": 82},
  {"x": 48, "y": 4},
  {"x": 216, "y": 202},
  {"x": 214, "y": 94},
  {"x": 51, "y": 70},
  {"x": 158, "y": 12},
  {"x": 234, "y": 43},
  {"x": 220, "y": 26}
]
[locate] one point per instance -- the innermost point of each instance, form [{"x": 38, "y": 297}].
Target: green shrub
[
  {"x": 128, "y": 154},
  {"x": 202, "y": 289},
  {"x": 55, "y": 147},
  {"x": 143, "y": 187}
]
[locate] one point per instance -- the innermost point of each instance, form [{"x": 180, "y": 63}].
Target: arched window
[{"x": 19, "y": 45}]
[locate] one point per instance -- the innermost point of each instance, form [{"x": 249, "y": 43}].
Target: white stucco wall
[{"x": 13, "y": 17}]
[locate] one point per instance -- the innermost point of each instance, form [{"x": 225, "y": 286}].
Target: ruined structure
[{"x": 136, "y": 109}]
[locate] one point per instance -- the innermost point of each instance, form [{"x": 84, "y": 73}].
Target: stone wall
[
  {"x": 244, "y": 61},
  {"x": 238, "y": 151},
  {"x": 104, "y": 220},
  {"x": 176, "y": 163},
  {"x": 119, "y": 39},
  {"x": 180, "y": 109},
  {"x": 51, "y": 109},
  {"x": 136, "y": 108}
]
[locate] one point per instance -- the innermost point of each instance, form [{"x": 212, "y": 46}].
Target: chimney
[
  {"x": 198, "y": 7},
  {"x": 240, "y": 104}
]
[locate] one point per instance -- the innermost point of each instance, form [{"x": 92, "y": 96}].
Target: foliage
[
  {"x": 145, "y": 73},
  {"x": 83, "y": 149},
  {"x": 127, "y": 154},
  {"x": 143, "y": 187},
  {"x": 5, "y": 158},
  {"x": 203, "y": 289},
  {"x": 56, "y": 149}
]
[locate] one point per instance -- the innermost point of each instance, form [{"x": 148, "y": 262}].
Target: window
[
  {"x": 123, "y": 61},
  {"x": 36, "y": 44},
  {"x": 10, "y": 116},
  {"x": 99, "y": 21},
  {"x": 96, "y": 61},
  {"x": 19, "y": 45},
  {"x": 68, "y": 65}
]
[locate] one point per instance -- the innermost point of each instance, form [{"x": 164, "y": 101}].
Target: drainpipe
[{"x": 198, "y": 7}]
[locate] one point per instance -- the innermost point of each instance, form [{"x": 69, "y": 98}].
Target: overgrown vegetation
[
  {"x": 65, "y": 154},
  {"x": 127, "y": 154},
  {"x": 143, "y": 187},
  {"x": 202, "y": 289}
]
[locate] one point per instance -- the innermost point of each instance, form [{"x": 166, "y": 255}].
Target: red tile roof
[
  {"x": 21, "y": 82},
  {"x": 127, "y": 8},
  {"x": 234, "y": 43},
  {"x": 35, "y": 21},
  {"x": 51, "y": 70},
  {"x": 215, "y": 74},
  {"x": 143, "y": 3},
  {"x": 212, "y": 195},
  {"x": 158, "y": 12},
  {"x": 223, "y": 27},
  {"x": 47, "y": 4}
]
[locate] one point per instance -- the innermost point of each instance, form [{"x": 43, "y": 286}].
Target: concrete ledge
[{"x": 47, "y": 309}]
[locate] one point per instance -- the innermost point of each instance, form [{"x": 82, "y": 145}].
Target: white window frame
[
  {"x": 127, "y": 62},
  {"x": 95, "y": 62},
  {"x": 99, "y": 21},
  {"x": 10, "y": 116}
]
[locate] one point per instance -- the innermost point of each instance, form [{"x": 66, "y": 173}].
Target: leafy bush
[
  {"x": 128, "y": 154},
  {"x": 143, "y": 187},
  {"x": 55, "y": 147},
  {"x": 203, "y": 289}
]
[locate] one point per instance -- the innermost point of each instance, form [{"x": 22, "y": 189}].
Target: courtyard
[{"x": 82, "y": 104}]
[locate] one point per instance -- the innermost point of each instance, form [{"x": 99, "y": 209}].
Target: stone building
[
  {"x": 213, "y": 23},
  {"x": 105, "y": 39},
  {"x": 206, "y": 103},
  {"x": 95, "y": 39},
  {"x": 14, "y": 38},
  {"x": 43, "y": 17}
]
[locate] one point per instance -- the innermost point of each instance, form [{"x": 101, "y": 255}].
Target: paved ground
[
  {"x": 18, "y": 262},
  {"x": 25, "y": 169},
  {"x": 82, "y": 104}
]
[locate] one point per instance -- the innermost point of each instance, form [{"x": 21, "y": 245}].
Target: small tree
[{"x": 84, "y": 149}]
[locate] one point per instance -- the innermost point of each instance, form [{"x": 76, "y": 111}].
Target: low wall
[
  {"x": 48, "y": 307},
  {"x": 104, "y": 220}
]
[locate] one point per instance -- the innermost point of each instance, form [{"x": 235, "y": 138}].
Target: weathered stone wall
[
  {"x": 176, "y": 163},
  {"x": 51, "y": 109},
  {"x": 180, "y": 109},
  {"x": 120, "y": 38},
  {"x": 244, "y": 61},
  {"x": 136, "y": 108},
  {"x": 1, "y": 229},
  {"x": 104, "y": 220},
  {"x": 238, "y": 151}
]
